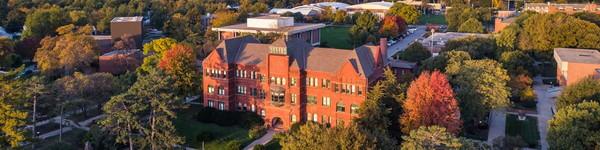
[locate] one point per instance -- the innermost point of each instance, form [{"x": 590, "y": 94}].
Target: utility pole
[{"x": 34, "y": 122}]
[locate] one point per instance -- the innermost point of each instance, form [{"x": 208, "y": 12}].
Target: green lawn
[
  {"x": 336, "y": 37},
  {"x": 433, "y": 19},
  {"x": 527, "y": 129},
  {"x": 190, "y": 128}
]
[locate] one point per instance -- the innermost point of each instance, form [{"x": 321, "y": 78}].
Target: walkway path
[
  {"x": 497, "y": 125},
  {"x": 545, "y": 105},
  {"x": 262, "y": 140}
]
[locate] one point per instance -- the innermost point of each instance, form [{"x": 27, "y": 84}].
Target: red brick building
[
  {"x": 289, "y": 80},
  {"x": 120, "y": 61},
  {"x": 576, "y": 64}
]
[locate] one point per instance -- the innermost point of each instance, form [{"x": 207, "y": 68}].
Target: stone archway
[{"x": 276, "y": 122}]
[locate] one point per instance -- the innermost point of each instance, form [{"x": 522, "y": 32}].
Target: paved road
[
  {"x": 497, "y": 125},
  {"x": 545, "y": 104},
  {"x": 262, "y": 140},
  {"x": 404, "y": 43}
]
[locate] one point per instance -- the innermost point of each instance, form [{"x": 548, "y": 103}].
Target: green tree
[
  {"x": 8, "y": 57},
  {"x": 155, "y": 50},
  {"x": 481, "y": 86},
  {"x": 543, "y": 32},
  {"x": 471, "y": 26},
  {"x": 415, "y": 53},
  {"x": 406, "y": 12},
  {"x": 431, "y": 137},
  {"x": 340, "y": 17},
  {"x": 517, "y": 62},
  {"x": 43, "y": 22},
  {"x": 314, "y": 136},
  {"x": 507, "y": 38},
  {"x": 477, "y": 47},
  {"x": 451, "y": 60},
  {"x": 146, "y": 108},
  {"x": 373, "y": 118},
  {"x": 72, "y": 50},
  {"x": 585, "y": 89},
  {"x": 13, "y": 113},
  {"x": 590, "y": 17},
  {"x": 575, "y": 127},
  {"x": 364, "y": 27}
]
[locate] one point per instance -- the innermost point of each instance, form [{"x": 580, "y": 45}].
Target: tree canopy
[
  {"x": 71, "y": 50},
  {"x": 575, "y": 127},
  {"x": 544, "y": 32},
  {"x": 392, "y": 26},
  {"x": 315, "y": 136},
  {"x": 471, "y": 26},
  {"x": 585, "y": 89},
  {"x": 406, "y": 12},
  {"x": 180, "y": 63},
  {"x": 430, "y": 101},
  {"x": 481, "y": 85},
  {"x": 415, "y": 52},
  {"x": 477, "y": 47},
  {"x": 365, "y": 25},
  {"x": 430, "y": 137},
  {"x": 44, "y": 22}
]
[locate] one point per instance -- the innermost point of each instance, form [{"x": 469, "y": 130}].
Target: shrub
[
  {"x": 229, "y": 118},
  {"x": 527, "y": 95},
  {"x": 256, "y": 132},
  {"x": 233, "y": 145},
  {"x": 260, "y": 147}
]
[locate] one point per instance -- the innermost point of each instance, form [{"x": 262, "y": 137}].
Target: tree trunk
[
  {"x": 61, "y": 123},
  {"x": 152, "y": 125}
]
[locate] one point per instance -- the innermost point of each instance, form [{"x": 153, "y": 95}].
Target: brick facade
[
  {"x": 572, "y": 65},
  {"x": 289, "y": 81}
]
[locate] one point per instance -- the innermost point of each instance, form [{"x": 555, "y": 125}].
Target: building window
[
  {"x": 325, "y": 83},
  {"x": 359, "y": 90},
  {"x": 294, "y": 119},
  {"x": 340, "y": 107},
  {"x": 263, "y": 113},
  {"x": 326, "y": 101},
  {"x": 308, "y": 117},
  {"x": 315, "y": 117},
  {"x": 211, "y": 89},
  {"x": 221, "y": 91},
  {"x": 294, "y": 98},
  {"x": 353, "y": 89},
  {"x": 293, "y": 82},
  {"x": 311, "y": 99},
  {"x": 211, "y": 104},
  {"x": 354, "y": 109},
  {"x": 277, "y": 98},
  {"x": 253, "y": 108},
  {"x": 221, "y": 106},
  {"x": 241, "y": 89}
]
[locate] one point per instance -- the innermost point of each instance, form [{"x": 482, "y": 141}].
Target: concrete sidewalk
[
  {"x": 497, "y": 125},
  {"x": 262, "y": 140}
]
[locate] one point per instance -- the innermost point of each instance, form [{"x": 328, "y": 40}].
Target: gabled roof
[{"x": 246, "y": 51}]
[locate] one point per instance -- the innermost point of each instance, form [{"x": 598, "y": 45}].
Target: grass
[
  {"x": 336, "y": 37},
  {"x": 187, "y": 126},
  {"x": 527, "y": 129},
  {"x": 433, "y": 19},
  {"x": 72, "y": 140}
]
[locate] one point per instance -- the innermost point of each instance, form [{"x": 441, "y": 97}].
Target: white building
[
  {"x": 378, "y": 8},
  {"x": 437, "y": 41},
  {"x": 311, "y": 9}
]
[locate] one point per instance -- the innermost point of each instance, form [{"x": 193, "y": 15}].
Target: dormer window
[{"x": 278, "y": 50}]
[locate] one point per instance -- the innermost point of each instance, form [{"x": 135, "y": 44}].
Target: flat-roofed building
[
  {"x": 131, "y": 26},
  {"x": 120, "y": 61},
  {"x": 565, "y": 8},
  {"x": 573, "y": 65},
  {"x": 284, "y": 26},
  {"x": 437, "y": 41},
  {"x": 378, "y": 8},
  {"x": 290, "y": 81}
]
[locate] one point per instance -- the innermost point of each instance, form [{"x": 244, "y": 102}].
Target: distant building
[
  {"x": 104, "y": 43},
  {"x": 285, "y": 26},
  {"x": 120, "y": 61},
  {"x": 564, "y": 8},
  {"x": 305, "y": 10},
  {"x": 131, "y": 26},
  {"x": 439, "y": 7},
  {"x": 576, "y": 64},
  {"x": 290, "y": 81},
  {"x": 401, "y": 67},
  {"x": 437, "y": 41},
  {"x": 333, "y": 5},
  {"x": 378, "y": 8}
]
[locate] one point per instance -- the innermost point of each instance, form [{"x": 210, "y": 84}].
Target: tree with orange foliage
[
  {"x": 392, "y": 26},
  {"x": 179, "y": 62},
  {"x": 430, "y": 101}
]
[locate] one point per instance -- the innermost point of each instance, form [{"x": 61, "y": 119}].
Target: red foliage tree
[
  {"x": 180, "y": 63},
  {"x": 430, "y": 101},
  {"x": 392, "y": 26}
]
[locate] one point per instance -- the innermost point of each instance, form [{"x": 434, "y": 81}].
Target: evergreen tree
[{"x": 373, "y": 118}]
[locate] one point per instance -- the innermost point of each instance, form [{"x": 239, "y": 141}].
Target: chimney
[{"x": 383, "y": 50}]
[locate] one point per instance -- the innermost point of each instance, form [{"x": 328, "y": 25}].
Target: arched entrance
[{"x": 276, "y": 122}]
